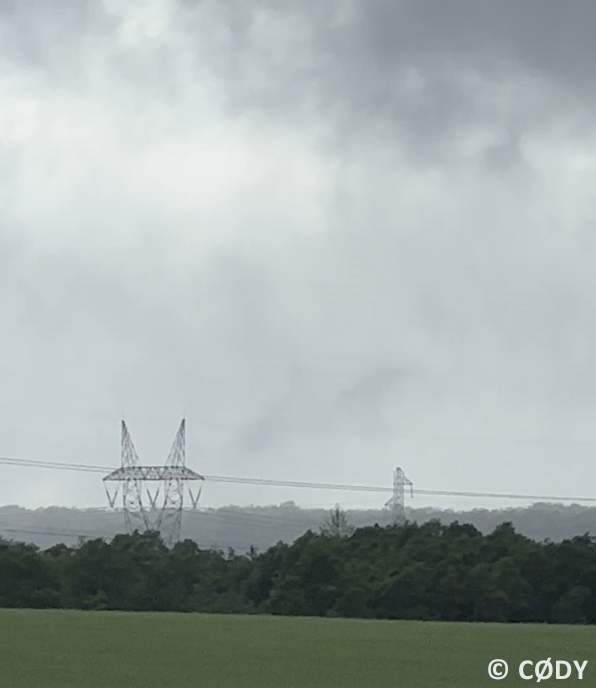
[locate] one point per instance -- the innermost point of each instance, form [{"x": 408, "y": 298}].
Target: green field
[{"x": 64, "y": 649}]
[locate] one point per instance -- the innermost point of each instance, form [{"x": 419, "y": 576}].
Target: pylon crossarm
[{"x": 161, "y": 473}]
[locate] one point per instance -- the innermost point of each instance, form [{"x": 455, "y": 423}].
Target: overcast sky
[{"x": 338, "y": 236}]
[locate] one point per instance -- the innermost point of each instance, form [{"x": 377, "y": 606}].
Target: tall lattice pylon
[
  {"x": 163, "y": 486},
  {"x": 398, "y": 498}
]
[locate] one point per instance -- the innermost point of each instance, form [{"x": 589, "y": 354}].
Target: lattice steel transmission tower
[
  {"x": 163, "y": 486},
  {"x": 398, "y": 498}
]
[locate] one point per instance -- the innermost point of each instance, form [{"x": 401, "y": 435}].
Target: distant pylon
[
  {"x": 397, "y": 501},
  {"x": 165, "y": 514}
]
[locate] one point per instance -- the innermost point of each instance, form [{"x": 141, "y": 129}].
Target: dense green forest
[{"x": 428, "y": 571}]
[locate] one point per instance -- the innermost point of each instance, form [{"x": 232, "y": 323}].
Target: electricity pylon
[
  {"x": 162, "y": 485},
  {"x": 398, "y": 498}
]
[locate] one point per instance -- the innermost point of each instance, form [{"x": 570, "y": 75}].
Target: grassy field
[{"x": 64, "y": 649}]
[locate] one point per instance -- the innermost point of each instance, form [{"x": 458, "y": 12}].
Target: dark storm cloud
[
  {"x": 549, "y": 39},
  {"x": 418, "y": 73}
]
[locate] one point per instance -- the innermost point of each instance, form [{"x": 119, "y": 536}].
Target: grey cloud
[
  {"x": 43, "y": 36},
  {"x": 365, "y": 398},
  {"x": 415, "y": 74},
  {"x": 372, "y": 385},
  {"x": 466, "y": 272}
]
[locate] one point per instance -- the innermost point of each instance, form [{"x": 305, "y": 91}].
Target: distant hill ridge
[{"x": 240, "y": 528}]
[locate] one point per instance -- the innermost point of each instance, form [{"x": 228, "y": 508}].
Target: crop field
[{"x": 64, "y": 649}]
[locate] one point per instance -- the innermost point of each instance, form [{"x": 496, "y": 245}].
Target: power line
[
  {"x": 56, "y": 465},
  {"x": 493, "y": 495},
  {"x": 295, "y": 483},
  {"x": 33, "y": 463}
]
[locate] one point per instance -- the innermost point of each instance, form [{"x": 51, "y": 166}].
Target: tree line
[{"x": 429, "y": 572}]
